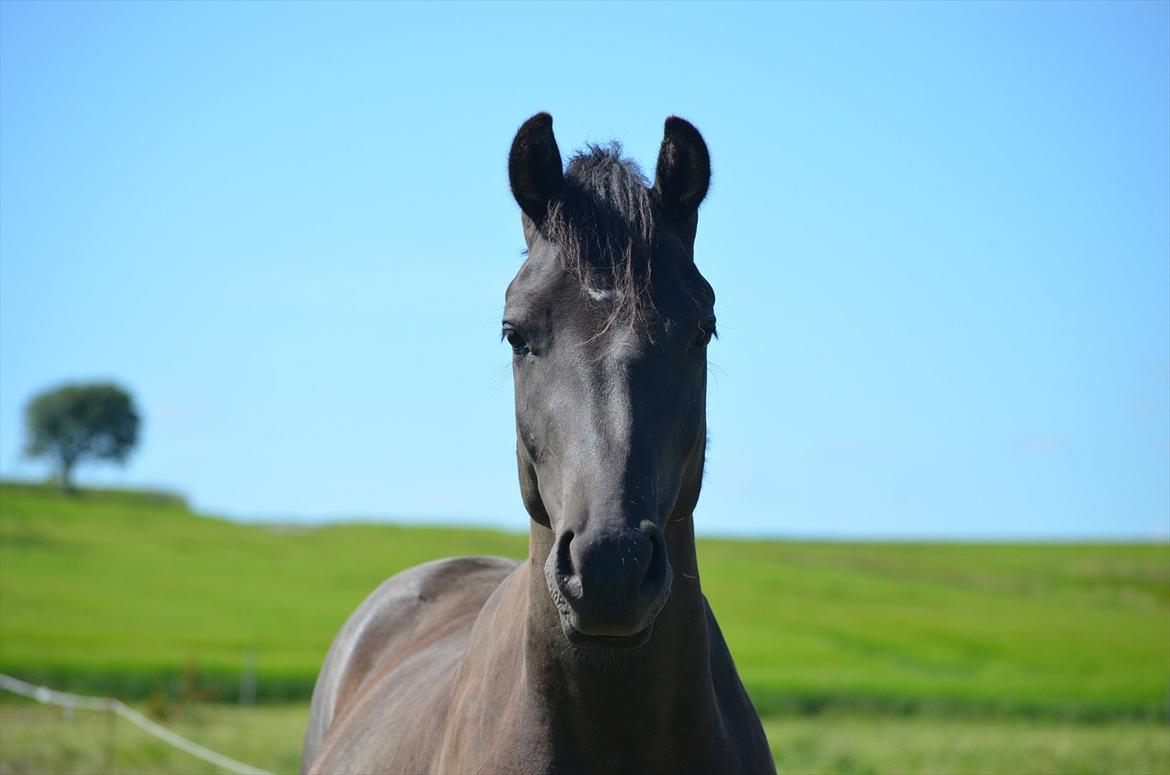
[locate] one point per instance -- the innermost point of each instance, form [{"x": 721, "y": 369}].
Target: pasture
[
  {"x": 855, "y": 653},
  {"x": 39, "y": 739}
]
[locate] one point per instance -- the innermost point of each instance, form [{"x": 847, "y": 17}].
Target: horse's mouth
[
  {"x": 581, "y": 640},
  {"x": 587, "y": 641}
]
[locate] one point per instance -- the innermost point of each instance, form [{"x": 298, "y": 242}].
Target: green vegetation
[
  {"x": 44, "y": 739},
  {"x": 1073, "y": 631},
  {"x": 131, "y": 594},
  {"x": 864, "y": 745},
  {"x": 74, "y": 423},
  {"x": 41, "y": 739}
]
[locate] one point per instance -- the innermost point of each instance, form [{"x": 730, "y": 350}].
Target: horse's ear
[
  {"x": 684, "y": 169},
  {"x": 534, "y": 166}
]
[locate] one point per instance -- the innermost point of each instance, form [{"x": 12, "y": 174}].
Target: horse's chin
[{"x": 600, "y": 642}]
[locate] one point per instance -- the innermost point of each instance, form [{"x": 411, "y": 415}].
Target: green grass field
[
  {"x": 111, "y": 591},
  {"x": 39, "y": 739},
  {"x": 864, "y": 657}
]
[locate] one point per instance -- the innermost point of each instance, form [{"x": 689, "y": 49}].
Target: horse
[{"x": 598, "y": 653}]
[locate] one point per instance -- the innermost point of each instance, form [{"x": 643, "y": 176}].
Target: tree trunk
[{"x": 66, "y": 475}]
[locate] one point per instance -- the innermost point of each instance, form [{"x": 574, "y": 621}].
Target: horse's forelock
[{"x": 604, "y": 223}]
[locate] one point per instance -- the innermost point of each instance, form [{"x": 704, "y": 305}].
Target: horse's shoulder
[
  {"x": 440, "y": 588},
  {"x": 435, "y": 601},
  {"x": 401, "y": 607},
  {"x": 425, "y": 584}
]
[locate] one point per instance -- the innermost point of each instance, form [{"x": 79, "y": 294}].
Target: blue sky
[{"x": 939, "y": 234}]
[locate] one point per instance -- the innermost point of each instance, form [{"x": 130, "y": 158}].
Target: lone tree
[{"x": 81, "y": 422}]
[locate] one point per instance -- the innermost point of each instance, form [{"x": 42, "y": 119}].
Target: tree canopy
[{"x": 74, "y": 423}]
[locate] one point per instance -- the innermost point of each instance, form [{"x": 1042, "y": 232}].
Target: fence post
[{"x": 248, "y": 679}]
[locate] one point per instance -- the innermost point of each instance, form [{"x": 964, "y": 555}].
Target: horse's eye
[
  {"x": 706, "y": 332},
  {"x": 516, "y": 339}
]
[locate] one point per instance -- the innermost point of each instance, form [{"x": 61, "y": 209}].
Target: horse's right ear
[{"x": 534, "y": 166}]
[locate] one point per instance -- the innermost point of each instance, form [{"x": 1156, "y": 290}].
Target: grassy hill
[{"x": 128, "y": 592}]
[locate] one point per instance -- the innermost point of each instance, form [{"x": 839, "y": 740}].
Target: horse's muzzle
[{"x": 609, "y": 586}]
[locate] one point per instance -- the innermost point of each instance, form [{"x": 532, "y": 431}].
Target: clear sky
[{"x": 939, "y": 234}]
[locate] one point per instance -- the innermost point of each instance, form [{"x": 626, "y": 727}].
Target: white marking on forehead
[{"x": 597, "y": 295}]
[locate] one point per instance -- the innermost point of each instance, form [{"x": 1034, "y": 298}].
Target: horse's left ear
[{"x": 684, "y": 169}]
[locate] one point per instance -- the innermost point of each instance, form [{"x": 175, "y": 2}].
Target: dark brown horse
[{"x": 599, "y": 652}]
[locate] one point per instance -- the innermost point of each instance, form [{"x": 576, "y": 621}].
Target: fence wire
[{"x": 45, "y": 695}]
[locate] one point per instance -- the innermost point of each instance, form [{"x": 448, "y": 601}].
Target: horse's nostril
[
  {"x": 564, "y": 569},
  {"x": 613, "y": 567},
  {"x": 657, "y": 569},
  {"x": 564, "y": 557},
  {"x": 642, "y": 553}
]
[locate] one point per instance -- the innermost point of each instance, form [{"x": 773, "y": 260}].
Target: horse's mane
[{"x": 604, "y": 222}]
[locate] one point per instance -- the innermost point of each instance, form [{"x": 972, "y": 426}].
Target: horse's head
[{"x": 609, "y": 321}]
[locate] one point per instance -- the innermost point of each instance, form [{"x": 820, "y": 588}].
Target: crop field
[{"x": 863, "y": 657}]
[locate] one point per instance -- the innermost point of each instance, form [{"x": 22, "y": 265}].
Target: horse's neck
[{"x": 658, "y": 697}]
